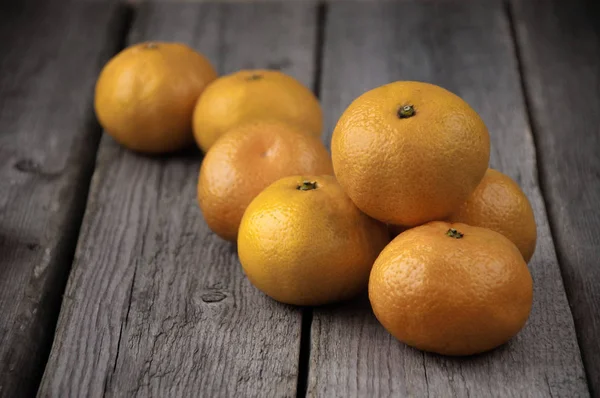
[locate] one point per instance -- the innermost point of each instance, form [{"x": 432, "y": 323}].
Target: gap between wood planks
[
  {"x": 543, "y": 184},
  {"x": 307, "y": 312},
  {"x": 508, "y": 7}
]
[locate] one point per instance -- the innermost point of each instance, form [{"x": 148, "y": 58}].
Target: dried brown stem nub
[
  {"x": 406, "y": 111},
  {"x": 307, "y": 185},
  {"x": 454, "y": 233}
]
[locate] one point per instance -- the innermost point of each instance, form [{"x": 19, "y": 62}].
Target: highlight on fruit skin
[
  {"x": 303, "y": 242},
  {"x": 452, "y": 289},
  {"x": 246, "y": 160},
  {"x": 498, "y": 203},
  {"x": 250, "y": 95},
  {"x": 145, "y": 95},
  {"x": 409, "y": 152}
]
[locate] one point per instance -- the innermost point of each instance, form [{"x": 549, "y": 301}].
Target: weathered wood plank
[
  {"x": 156, "y": 304},
  {"x": 560, "y": 54},
  {"x": 467, "y": 48},
  {"x": 48, "y": 141}
]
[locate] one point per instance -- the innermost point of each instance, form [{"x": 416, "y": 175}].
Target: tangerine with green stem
[
  {"x": 302, "y": 241},
  {"x": 409, "y": 152},
  {"x": 451, "y": 289}
]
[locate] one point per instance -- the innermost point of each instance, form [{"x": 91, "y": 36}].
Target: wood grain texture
[
  {"x": 156, "y": 304},
  {"x": 48, "y": 141},
  {"x": 560, "y": 55},
  {"x": 467, "y": 48}
]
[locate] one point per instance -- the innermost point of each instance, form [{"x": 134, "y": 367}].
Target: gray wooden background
[{"x": 111, "y": 284}]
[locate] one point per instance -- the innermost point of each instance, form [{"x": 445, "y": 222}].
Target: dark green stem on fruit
[
  {"x": 254, "y": 76},
  {"x": 406, "y": 111},
  {"x": 307, "y": 186},
  {"x": 454, "y": 233}
]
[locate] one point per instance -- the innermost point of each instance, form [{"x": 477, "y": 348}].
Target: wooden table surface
[{"x": 111, "y": 284}]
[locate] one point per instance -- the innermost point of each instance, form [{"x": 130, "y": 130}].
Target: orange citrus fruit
[
  {"x": 246, "y": 160},
  {"x": 409, "y": 152},
  {"x": 145, "y": 95},
  {"x": 250, "y": 95},
  {"x": 498, "y": 203},
  {"x": 302, "y": 241},
  {"x": 452, "y": 289}
]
